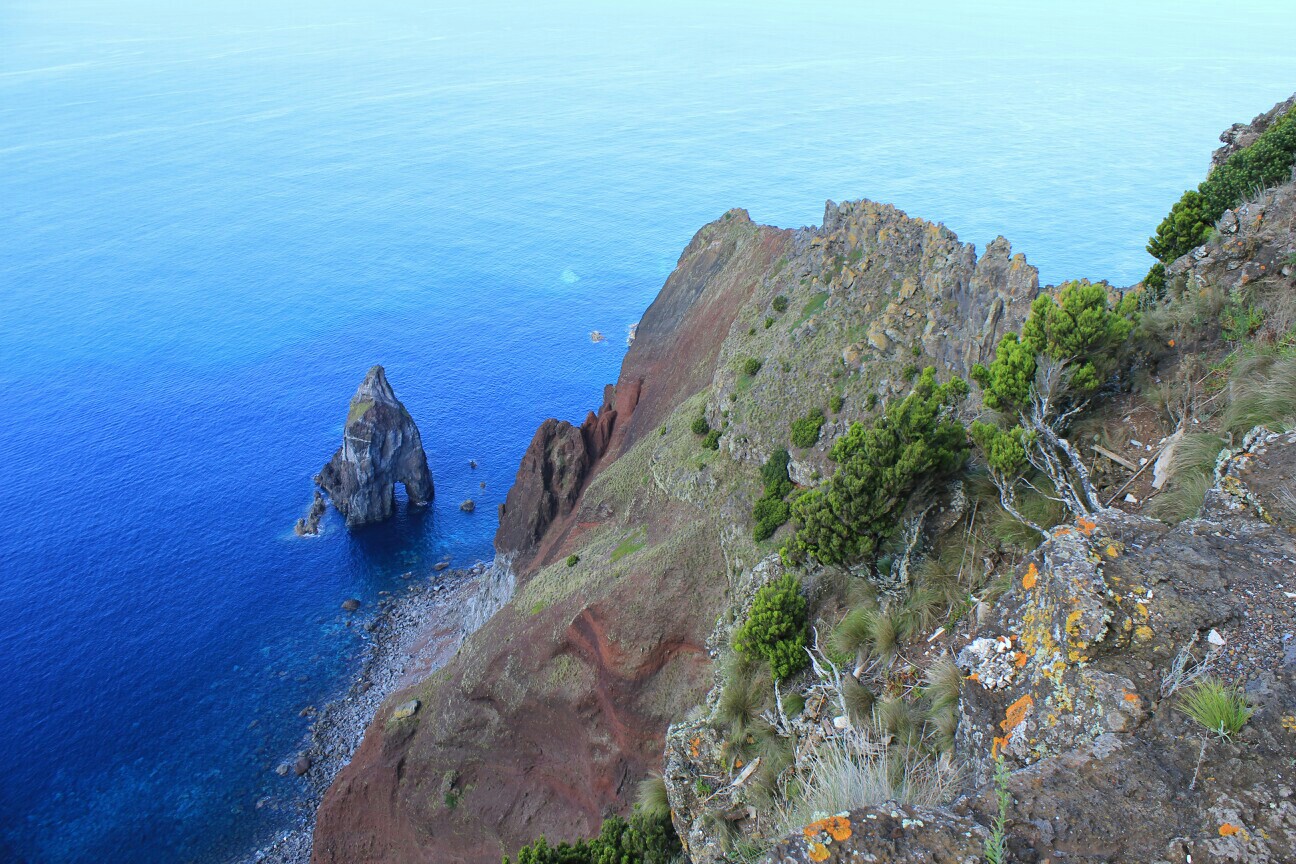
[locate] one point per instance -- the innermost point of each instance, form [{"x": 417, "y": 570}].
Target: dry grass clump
[{"x": 854, "y": 770}]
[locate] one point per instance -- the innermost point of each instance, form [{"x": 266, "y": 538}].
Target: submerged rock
[{"x": 381, "y": 447}]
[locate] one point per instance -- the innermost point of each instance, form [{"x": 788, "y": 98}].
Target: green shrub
[
  {"x": 775, "y": 629},
  {"x": 1238, "y": 322},
  {"x": 910, "y": 372},
  {"x": 644, "y": 839},
  {"x": 871, "y": 401},
  {"x": 769, "y": 322},
  {"x": 770, "y": 514},
  {"x": 700, "y": 426},
  {"x": 750, "y": 366},
  {"x": 879, "y": 467},
  {"x": 771, "y": 511},
  {"x": 572, "y": 560},
  {"x": 1078, "y": 327},
  {"x": 1222, "y": 709},
  {"x": 780, "y": 303},
  {"x": 711, "y": 441},
  {"x": 1265, "y": 162},
  {"x": 805, "y": 431},
  {"x": 835, "y": 403}
]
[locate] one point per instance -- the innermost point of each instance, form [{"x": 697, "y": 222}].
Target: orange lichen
[
  {"x": 1228, "y": 829},
  {"x": 818, "y": 852},
  {"x": 1131, "y": 697},
  {"x": 1112, "y": 551},
  {"x": 995, "y": 747},
  {"x": 1031, "y": 577},
  {"x": 1016, "y": 713},
  {"x": 1087, "y": 526},
  {"x": 1062, "y": 532},
  {"x": 1171, "y": 343},
  {"x": 1020, "y": 660},
  {"x": 974, "y": 677},
  {"x": 695, "y": 746},
  {"x": 838, "y": 827}
]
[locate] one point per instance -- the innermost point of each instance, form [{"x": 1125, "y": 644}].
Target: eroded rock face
[{"x": 381, "y": 447}]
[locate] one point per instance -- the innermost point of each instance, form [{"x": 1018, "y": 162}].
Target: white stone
[{"x": 1214, "y": 638}]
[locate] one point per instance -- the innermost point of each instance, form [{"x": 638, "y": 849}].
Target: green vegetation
[
  {"x": 1078, "y": 327},
  {"x": 880, "y": 466},
  {"x": 996, "y": 845},
  {"x": 644, "y": 839},
  {"x": 652, "y": 800},
  {"x": 628, "y": 546},
  {"x": 1221, "y": 709},
  {"x": 769, "y": 322},
  {"x": 771, "y": 510},
  {"x": 451, "y": 800},
  {"x": 700, "y": 426},
  {"x": 711, "y": 441},
  {"x": 1238, "y": 322},
  {"x": 359, "y": 409},
  {"x": 805, "y": 431},
  {"x": 750, "y": 366},
  {"x": 573, "y": 560},
  {"x": 812, "y": 307},
  {"x": 1266, "y": 162},
  {"x": 775, "y": 629},
  {"x": 910, "y": 371},
  {"x": 780, "y": 304},
  {"x": 835, "y": 403}
]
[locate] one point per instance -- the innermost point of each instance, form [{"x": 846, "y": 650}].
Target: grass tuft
[
  {"x": 652, "y": 800},
  {"x": 1221, "y": 709}
]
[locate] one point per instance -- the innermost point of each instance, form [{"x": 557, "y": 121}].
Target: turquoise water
[{"x": 214, "y": 221}]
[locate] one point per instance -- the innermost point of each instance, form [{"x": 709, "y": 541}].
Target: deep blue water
[{"x": 212, "y": 222}]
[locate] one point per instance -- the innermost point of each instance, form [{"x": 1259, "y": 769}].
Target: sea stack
[{"x": 381, "y": 447}]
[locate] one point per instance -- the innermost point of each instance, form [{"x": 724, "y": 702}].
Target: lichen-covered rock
[
  {"x": 381, "y": 447},
  {"x": 1105, "y": 764},
  {"x": 890, "y": 833}
]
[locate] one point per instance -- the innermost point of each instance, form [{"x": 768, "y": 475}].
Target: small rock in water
[
  {"x": 350, "y": 604},
  {"x": 406, "y": 709},
  {"x": 282, "y": 769},
  {"x": 441, "y": 566},
  {"x": 302, "y": 765},
  {"x": 468, "y": 506},
  {"x": 472, "y": 463}
]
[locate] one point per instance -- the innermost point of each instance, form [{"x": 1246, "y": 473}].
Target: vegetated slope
[
  {"x": 558, "y": 706},
  {"x": 959, "y": 640}
]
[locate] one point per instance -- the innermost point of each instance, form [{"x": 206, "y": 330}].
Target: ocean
[{"x": 216, "y": 218}]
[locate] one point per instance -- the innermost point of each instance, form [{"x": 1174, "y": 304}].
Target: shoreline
[{"x": 412, "y": 634}]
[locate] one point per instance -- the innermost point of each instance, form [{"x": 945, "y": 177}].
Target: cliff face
[
  {"x": 556, "y": 708},
  {"x": 381, "y": 447}
]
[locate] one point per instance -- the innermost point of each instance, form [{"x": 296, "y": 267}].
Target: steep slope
[{"x": 558, "y": 706}]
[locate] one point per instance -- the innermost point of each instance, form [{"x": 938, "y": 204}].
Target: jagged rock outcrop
[
  {"x": 1242, "y": 135},
  {"x": 381, "y": 447},
  {"x": 308, "y": 525}
]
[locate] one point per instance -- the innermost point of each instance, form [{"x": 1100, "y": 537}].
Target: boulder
[{"x": 381, "y": 447}]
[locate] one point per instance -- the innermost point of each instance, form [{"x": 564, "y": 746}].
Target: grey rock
[
  {"x": 350, "y": 604},
  {"x": 381, "y": 447},
  {"x": 308, "y": 525}
]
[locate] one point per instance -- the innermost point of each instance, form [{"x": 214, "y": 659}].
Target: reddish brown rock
[{"x": 550, "y": 715}]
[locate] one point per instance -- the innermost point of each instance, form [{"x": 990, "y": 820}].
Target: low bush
[
  {"x": 775, "y": 629},
  {"x": 914, "y": 441},
  {"x": 700, "y": 426},
  {"x": 771, "y": 511},
  {"x": 835, "y": 403},
  {"x": 780, "y": 303},
  {"x": 644, "y": 839},
  {"x": 805, "y": 431},
  {"x": 750, "y": 366},
  {"x": 711, "y": 441},
  {"x": 573, "y": 560}
]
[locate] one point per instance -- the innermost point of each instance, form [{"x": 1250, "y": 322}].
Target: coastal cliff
[
  {"x": 381, "y": 447},
  {"x": 1028, "y": 657}
]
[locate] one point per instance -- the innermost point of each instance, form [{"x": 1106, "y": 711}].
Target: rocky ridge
[{"x": 634, "y": 559}]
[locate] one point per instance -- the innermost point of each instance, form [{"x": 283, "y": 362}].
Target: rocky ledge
[{"x": 381, "y": 447}]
